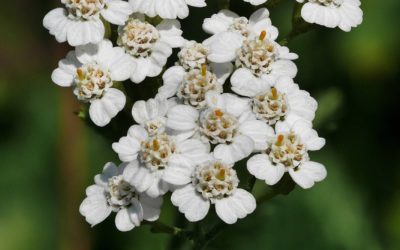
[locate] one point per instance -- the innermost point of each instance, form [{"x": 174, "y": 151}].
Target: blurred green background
[{"x": 48, "y": 156}]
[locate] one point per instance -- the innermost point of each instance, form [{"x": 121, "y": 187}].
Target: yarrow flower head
[
  {"x": 111, "y": 193},
  {"x": 345, "y": 14},
  {"x": 213, "y": 182},
  {"x": 92, "y": 71},
  {"x": 80, "y": 22},
  {"x": 274, "y": 101},
  {"x": 287, "y": 151},
  {"x": 150, "y": 156},
  {"x": 262, "y": 57},
  {"x": 149, "y": 46},
  {"x": 168, "y": 9},
  {"x": 190, "y": 87},
  {"x": 227, "y": 122},
  {"x": 226, "y": 20}
]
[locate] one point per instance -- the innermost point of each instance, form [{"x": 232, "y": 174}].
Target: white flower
[
  {"x": 191, "y": 86},
  {"x": 91, "y": 70},
  {"x": 80, "y": 23},
  {"x": 150, "y": 156},
  {"x": 227, "y": 122},
  {"x": 255, "y": 2},
  {"x": 149, "y": 46},
  {"x": 151, "y": 114},
  {"x": 166, "y": 8},
  {"x": 213, "y": 182},
  {"x": 227, "y": 20},
  {"x": 260, "y": 56},
  {"x": 345, "y": 14},
  {"x": 277, "y": 101},
  {"x": 111, "y": 193},
  {"x": 287, "y": 151}
]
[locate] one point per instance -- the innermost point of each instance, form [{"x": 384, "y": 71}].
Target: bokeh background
[{"x": 48, "y": 155}]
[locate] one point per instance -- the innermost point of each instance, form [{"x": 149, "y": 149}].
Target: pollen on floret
[
  {"x": 280, "y": 140},
  {"x": 204, "y": 70},
  {"x": 274, "y": 93},
  {"x": 262, "y": 36},
  {"x": 80, "y": 74},
  {"x": 218, "y": 113}
]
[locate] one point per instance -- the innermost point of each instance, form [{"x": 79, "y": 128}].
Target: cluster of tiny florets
[{"x": 228, "y": 100}]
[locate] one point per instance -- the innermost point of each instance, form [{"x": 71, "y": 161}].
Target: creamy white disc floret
[
  {"x": 91, "y": 70},
  {"x": 80, "y": 22},
  {"x": 149, "y": 46},
  {"x": 287, "y": 151},
  {"x": 166, "y": 9},
  {"x": 150, "y": 156},
  {"x": 111, "y": 193},
  {"x": 213, "y": 182},
  {"x": 345, "y": 14},
  {"x": 227, "y": 122}
]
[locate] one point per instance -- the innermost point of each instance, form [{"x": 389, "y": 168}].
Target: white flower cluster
[{"x": 188, "y": 138}]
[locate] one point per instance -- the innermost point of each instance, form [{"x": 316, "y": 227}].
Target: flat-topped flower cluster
[{"x": 229, "y": 98}]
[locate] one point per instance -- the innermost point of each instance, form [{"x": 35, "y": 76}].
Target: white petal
[
  {"x": 223, "y": 46},
  {"x": 151, "y": 207},
  {"x": 172, "y": 78},
  {"x": 260, "y": 166},
  {"x": 222, "y": 71},
  {"x": 194, "y": 150},
  {"x": 85, "y": 32},
  {"x": 246, "y": 84},
  {"x": 138, "y": 176},
  {"x": 219, "y": 22},
  {"x": 128, "y": 147},
  {"x": 117, "y": 12},
  {"x": 283, "y": 68},
  {"x": 158, "y": 188},
  {"x": 171, "y": 33},
  {"x": 179, "y": 174},
  {"x": 255, "y": 2},
  {"x": 127, "y": 218},
  {"x": 240, "y": 148},
  {"x": 102, "y": 110},
  {"x": 308, "y": 173},
  {"x": 160, "y": 53},
  {"x": 143, "y": 66},
  {"x": 190, "y": 203},
  {"x": 109, "y": 170},
  {"x": 65, "y": 73},
  {"x": 95, "y": 209},
  {"x": 237, "y": 206},
  {"x": 182, "y": 118},
  {"x": 258, "y": 131},
  {"x": 57, "y": 22},
  {"x": 196, "y": 3}
]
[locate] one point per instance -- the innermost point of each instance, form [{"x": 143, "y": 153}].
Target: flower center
[
  {"x": 195, "y": 86},
  {"x": 91, "y": 80},
  {"x": 257, "y": 55},
  {"x": 156, "y": 151},
  {"x": 156, "y": 126},
  {"x": 138, "y": 38},
  {"x": 218, "y": 127},
  {"x": 215, "y": 181},
  {"x": 193, "y": 56},
  {"x": 287, "y": 150},
  {"x": 270, "y": 106},
  {"x": 240, "y": 24},
  {"x": 336, "y": 3},
  {"x": 83, "y": 9},
  {"x": 120, "y": 193}
]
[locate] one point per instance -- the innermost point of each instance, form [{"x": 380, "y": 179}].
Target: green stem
[{"x": 159, "y": 227}]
